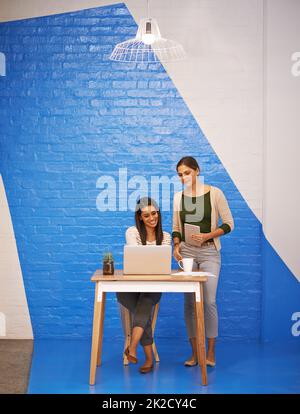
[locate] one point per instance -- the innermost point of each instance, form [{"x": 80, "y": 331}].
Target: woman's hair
[
  {"x": 188, "y": 162},
  {"x": 142, "y": 203}
]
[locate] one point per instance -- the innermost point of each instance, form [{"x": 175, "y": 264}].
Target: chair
[{"x": 127, "y": 324}]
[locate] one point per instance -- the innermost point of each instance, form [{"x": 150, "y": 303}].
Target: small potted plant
[{"x": 108, "y": 264}]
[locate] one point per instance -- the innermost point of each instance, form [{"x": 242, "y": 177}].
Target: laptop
[{"x": 147, "y": 260}]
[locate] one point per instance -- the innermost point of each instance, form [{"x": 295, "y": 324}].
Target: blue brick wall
[{"x": 69, "y": 115}]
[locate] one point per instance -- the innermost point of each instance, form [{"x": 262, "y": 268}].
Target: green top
[{"x": 197, "y": 211}]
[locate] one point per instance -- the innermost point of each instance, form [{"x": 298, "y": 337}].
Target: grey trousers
[
  {"x": 141, "y": 306},
  {"x": 206, "y": 259}
]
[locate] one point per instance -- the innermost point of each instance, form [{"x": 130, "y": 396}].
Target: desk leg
[
  {"x": 201, "y": 351},
  {"x": 102, "y": 313},
  {"x": 96, "y": 333}
]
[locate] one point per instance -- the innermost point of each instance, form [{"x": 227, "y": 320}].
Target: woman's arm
[
  {"x": 203, "y": 237},
  {"x": 176, "y": 234},
  {"x": 131, "y": 236},
  {"x": 177, "y": 254},
  {"x": 225, "y": 213},
  {"x": 176, "y": 230},
  {"x": 227, "y": 221}
]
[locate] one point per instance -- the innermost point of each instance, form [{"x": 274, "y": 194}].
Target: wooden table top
[{"x": 119, "y": 276}]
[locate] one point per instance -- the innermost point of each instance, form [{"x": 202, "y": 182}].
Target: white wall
[
  {"x": 282, "y": 130},
  {"x": 13, "y": 304}
]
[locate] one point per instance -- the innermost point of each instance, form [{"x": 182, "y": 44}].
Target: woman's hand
[
  {"x": 176, "y": 253},
  {"x": 201, "y": 238}
]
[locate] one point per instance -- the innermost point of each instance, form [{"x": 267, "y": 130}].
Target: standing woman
[
  {"x": 202, "y": 205},
  {"x": 147, "y": 231}
]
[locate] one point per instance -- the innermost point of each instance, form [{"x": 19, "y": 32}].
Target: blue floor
[{"x": 62, "y": 366}]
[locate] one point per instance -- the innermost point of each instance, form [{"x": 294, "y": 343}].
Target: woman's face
[
  {"x": 149, "y": 215},
  {"x": 187, "y": 175}
]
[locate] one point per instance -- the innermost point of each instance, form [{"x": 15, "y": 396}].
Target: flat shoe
[
  {"x": 130, "y": 357},
  {"x": 145, "y": 370},
  {"x": 190, "y": 364},
  {"x": 210, "y": 363}
]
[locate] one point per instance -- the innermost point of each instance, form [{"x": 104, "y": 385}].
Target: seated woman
[{"x": 148, "y": 231}]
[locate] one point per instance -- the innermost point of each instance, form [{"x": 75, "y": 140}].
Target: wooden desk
[{"x": 145, "y": 283}]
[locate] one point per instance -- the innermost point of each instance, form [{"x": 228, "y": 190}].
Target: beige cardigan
[{"x": 219, "y": 208}]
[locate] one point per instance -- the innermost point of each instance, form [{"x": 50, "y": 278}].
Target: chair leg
[{"x": 154, "y": 319}]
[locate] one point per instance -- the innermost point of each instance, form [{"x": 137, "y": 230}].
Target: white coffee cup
[{"x": 187, "y": 264}]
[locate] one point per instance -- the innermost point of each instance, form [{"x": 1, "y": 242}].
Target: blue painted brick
[{"x": 69, "y": 115}]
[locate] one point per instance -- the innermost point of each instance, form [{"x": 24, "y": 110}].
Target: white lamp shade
[{"x": 148, "y": 46}]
